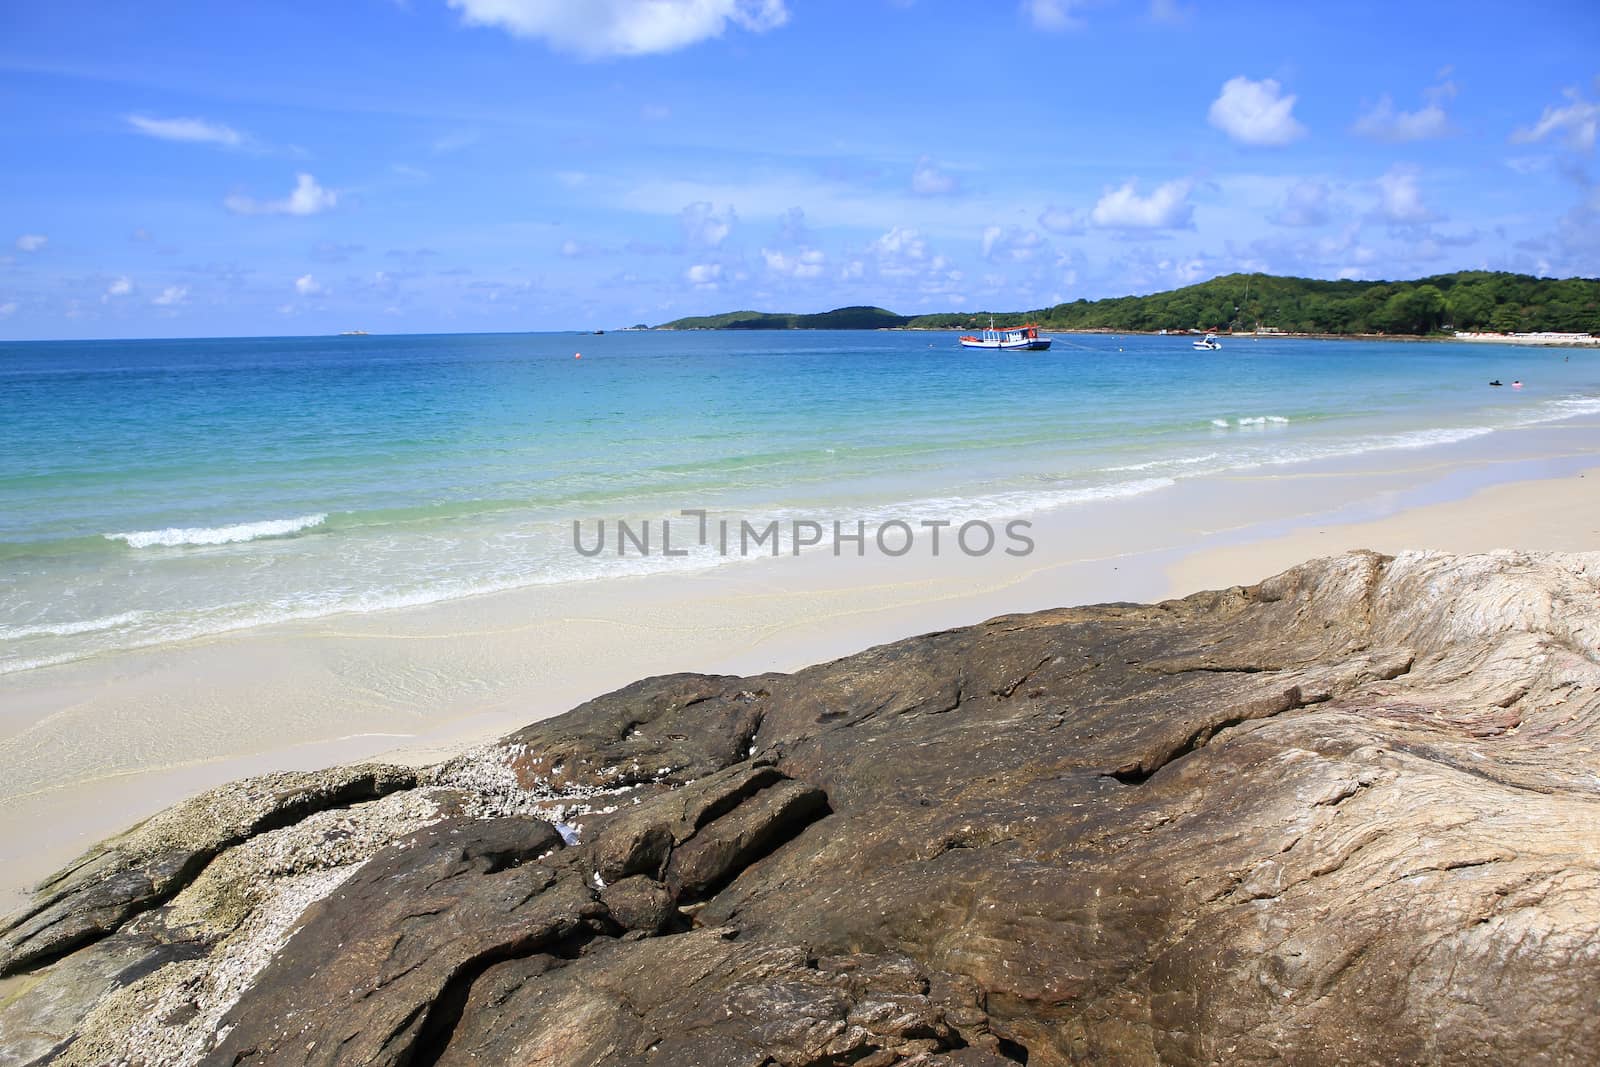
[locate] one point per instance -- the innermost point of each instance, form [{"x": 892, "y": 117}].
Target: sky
[{"x": 413, "y": 166}]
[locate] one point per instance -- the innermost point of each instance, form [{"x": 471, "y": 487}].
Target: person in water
[
  {"x": 1517, "y": 384},
  {"x": 1497, "y": 381}
]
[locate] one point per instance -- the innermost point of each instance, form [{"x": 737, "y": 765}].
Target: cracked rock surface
[{"x": 1348, "y": 815}]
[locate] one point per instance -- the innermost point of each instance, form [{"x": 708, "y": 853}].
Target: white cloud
[
  {"x": 1166, "y": 208},
  {"x": 1052, "y": 14},
  {"x": 8, "y": 309},
  {"x": 31, "y": 242},
  {"x": 806, "y": 263},
  {"x": 1579, "y": 120},
  {"x": 307, "y": 198},
  {"x": 899, "y": 252},
  {"x": 704, "y": 275},
  {"x": 1255, "y": 112},
  {"x": 197, "y": 131},
  {"x": 1399, "y": 199},
  {"x": 571, "y": 249},
  {"x": 597, "y": 28},
  {"x": 1058, "y": 220},
  {"x": 928, "y": 180},
  {"x": 703, "y": 227},
  {"x": 120, "y": 286},
  {"x": 172, "y": 296},
  {"x": 306, "y": 285},
  {"x": 1012, "y": 243},
  {"x": 1170, "y": 12},
  {"x": 1305, "y": 204},
  {"x": 1384, "y": 123},
  {"x": 655, "y": 112}
]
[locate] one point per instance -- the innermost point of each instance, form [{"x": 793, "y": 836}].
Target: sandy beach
[{"x": 88, "y": 748}]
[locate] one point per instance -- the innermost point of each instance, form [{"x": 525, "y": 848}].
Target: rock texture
[{"x": 1348, "y": 815}]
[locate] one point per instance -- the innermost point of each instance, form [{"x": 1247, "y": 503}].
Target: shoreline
[{"x": 92, "y": 746}]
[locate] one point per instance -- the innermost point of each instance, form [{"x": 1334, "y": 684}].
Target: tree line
[{"x": 1464, "y": 300}]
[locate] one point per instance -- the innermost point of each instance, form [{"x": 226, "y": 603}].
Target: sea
[{"x": 157, "y": 491}]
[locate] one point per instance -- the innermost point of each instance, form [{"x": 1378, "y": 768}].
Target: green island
[{"x": 1465, "y": 300}]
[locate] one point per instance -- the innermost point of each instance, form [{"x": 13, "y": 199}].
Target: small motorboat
[
  {"x": 1209, "y": 344},
  {"x": 1008, "y": 339}
]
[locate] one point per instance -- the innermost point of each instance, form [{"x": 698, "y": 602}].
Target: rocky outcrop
[{"x": 1348, "y": 815}]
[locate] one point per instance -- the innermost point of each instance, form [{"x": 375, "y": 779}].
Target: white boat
[
  {"x": 1008, "y": 339},
  {"x": 1210, "y": 344}
]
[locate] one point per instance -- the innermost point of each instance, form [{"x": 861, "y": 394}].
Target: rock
[
  {"x": 403, "y": 931},
  {"x": 1347, "y": 815},
  {"x": 150, "y": 863},
  {"x": 727, "y": 1002}
]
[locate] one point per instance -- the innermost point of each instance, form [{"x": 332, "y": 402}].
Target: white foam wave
[
  {"x": 69, "y": 629},
  {"x": 180, "y": 536},
  {"x": 1175, "y": 461},
  {"x": 1251, "y": 420}
]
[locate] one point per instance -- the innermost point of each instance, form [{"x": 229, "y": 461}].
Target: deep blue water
[{"x": 152, "y": 490}]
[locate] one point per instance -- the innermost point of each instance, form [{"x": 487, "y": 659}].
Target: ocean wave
[
  {"x": 1175, "y": 461},
  {"x": 180, "y": 536},
  {"x": 1251, "y": 420},
  {"x": 69, "y": 629}
]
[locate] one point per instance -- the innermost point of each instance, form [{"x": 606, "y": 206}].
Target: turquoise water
[{"x": 157, "y": 490}]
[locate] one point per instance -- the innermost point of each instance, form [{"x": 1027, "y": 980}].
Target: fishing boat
[
  {"x": 1008, "y": 339},
  {"x": 1209, "y": 344}
]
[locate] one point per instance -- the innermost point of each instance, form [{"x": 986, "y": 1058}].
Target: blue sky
[{"x": 198, "y": 169}]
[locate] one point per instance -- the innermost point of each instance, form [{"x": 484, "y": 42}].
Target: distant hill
[
  {"x": 850, "y": 318},
  {"x": 1465, "y": 300}
]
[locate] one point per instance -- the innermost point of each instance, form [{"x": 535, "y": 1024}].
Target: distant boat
[
  {"x": 1209, "y": 344},
  {"x": 1008, "y": 339},
  {"x": 352, "y": 333}
]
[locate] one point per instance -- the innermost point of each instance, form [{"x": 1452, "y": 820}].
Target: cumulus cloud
[
  {"x": 1305, "y": 204},
  {"x": 306, "y": 285},
  {"x": 172, "y": 296},
  {"x": 1011, "y": 243},
  {"x": 900, "y": 251},
  {"x": 902, "y": 256},
  {"x": 1384, "y": 123},
  {"x": 1059, "y": 220},
  {"x": 1400, "y": 199},
  {"x": 307, "y": 198},
  {"x": 1255, "y": 113},
  {"x": 194, "y": 131},
  {"x": 928, "y": 180},
  {"x": 1052, "y": 14},
  {"x": 121, "y": 286},
  {"x": 704, "y": 275},
  {"x": 598, "y": 28},
  {"x": 8, "y": 309},
  {"x": 31, "y": 242},
  {"x": 703, "y": 227},
  {"x": 1578, "y": 122},
  {"x": 1166, "y": 208},
  {"x": 806, "y": 263}
]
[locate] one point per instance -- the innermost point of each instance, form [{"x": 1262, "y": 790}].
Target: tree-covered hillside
[
  {"x": 1466, "y": 300},
  {"x": 850, "y": 318}
]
